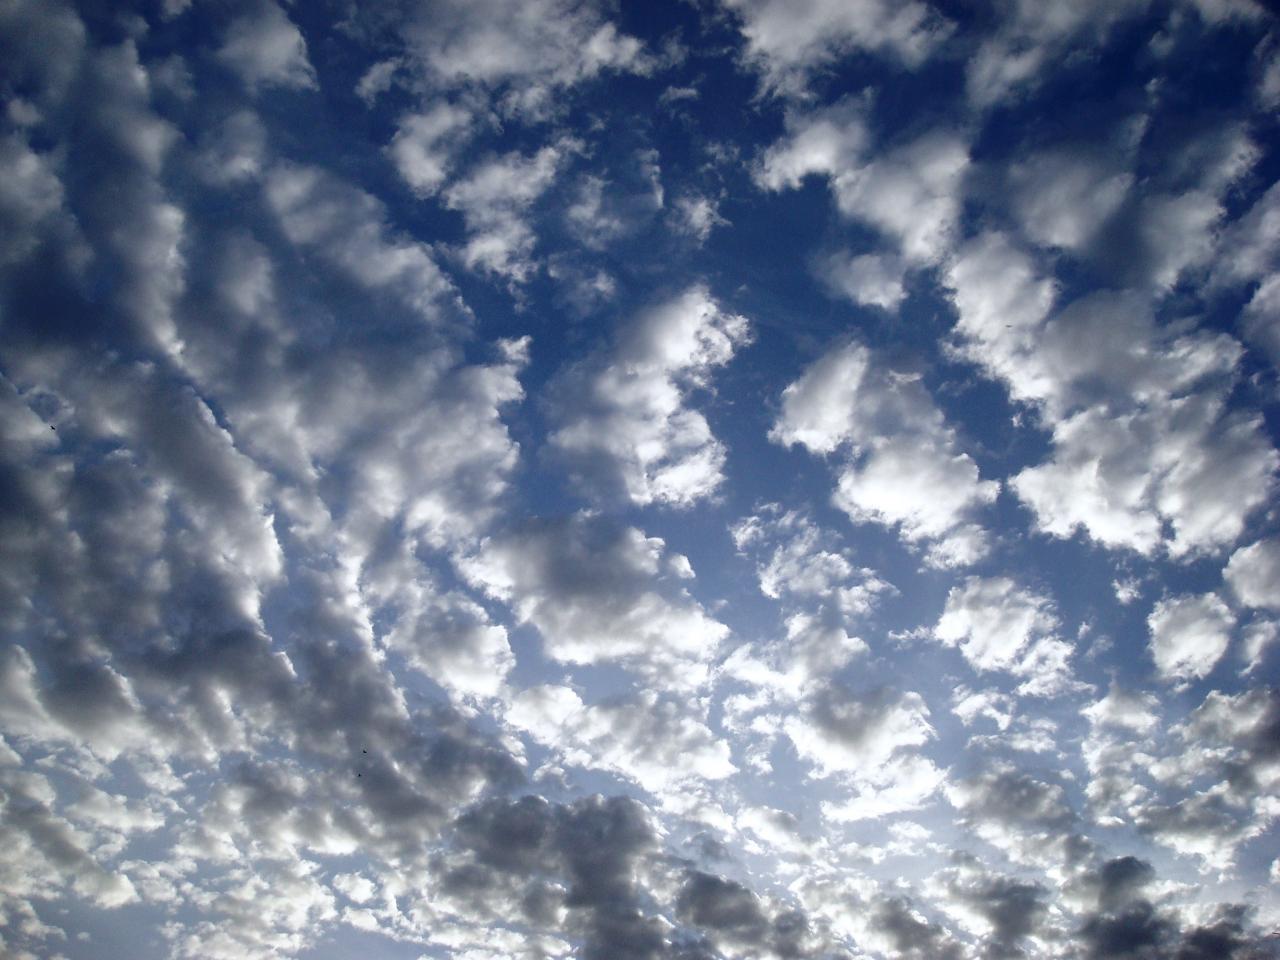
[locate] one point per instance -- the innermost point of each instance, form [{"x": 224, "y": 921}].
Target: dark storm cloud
[
  {"x": 1121, "y": 880},
  {"x": 912, "y": 936},
  {"x": 593, "y": 846},
  {"x": 596, "y": 853},
  {"x": 721, "y": 905},
  {"x": 1126, "y": 923},
  {"x": 1014, "y": 908}
]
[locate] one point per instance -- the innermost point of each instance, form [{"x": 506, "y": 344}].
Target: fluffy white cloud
[
  {"x": 1030, "y": 36},
  {"x": 494, "y": 199},
  {"x": 868, "y": 741},
  {"x": 348, "y": 227},
  {"x": 287, "y": 664},
  {"x": 424, "y": 144},
  {"x": 624, "y": 424},
  {"x": 29, "y": 195},
  {"x": 789, "y": 39},
  {"x": 1063, "y": 198},
  {"x": 597, "y": 592},
  {"x": 1258, "y": 638},
  {"x": 813, "y": 649},
  {"x": 844, "y": 731},
  {"x": 1248, "y": 249},
  {"x": 1219, "y": 778},
  {"x": 911, "y": 193},
  {"x": 1001, "y": 300},
  {"x": 1000, "y": 626},
  {"x": 828, "y": 142},
  {"x": 1028, "y": 818},
  {"x": 799, "y": 561},
  {"x": 655, "y": 741},
  {"x": 523, "y": 53},
  {"x": 903, "y": 466},
  {"x": 1253, "y": 574},
  {"x": 1189, "y": 635},
  {"x": 1122, "y": 478},
  {"x": 696, "y": 216},
  {"x": 901, "y": 783},
  {"x": 265, "y": 49},
  {"x": 48, "y": 851},
  {"x": 1260, "y": 322},
  {"x": 443, "y": 634},
  {"x": 872, "y": 280},
  {"x": 1124, "y": 709},
  {"x": 1143, "y": 435}
]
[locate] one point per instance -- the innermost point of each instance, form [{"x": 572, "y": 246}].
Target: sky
[{"x": 684, "y": 479}]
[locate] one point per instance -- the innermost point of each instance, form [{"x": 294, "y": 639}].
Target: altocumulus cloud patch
[{"x": 593, "y": 479}]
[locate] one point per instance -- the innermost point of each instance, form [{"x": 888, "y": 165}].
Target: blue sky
[{"x": 756, "y": 478}]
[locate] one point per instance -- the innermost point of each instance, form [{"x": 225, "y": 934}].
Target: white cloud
[
  {"x": 872, "y": 280},
  {"x": 48, "y": 852},
  {"x": 235, "y": 151},
  {"x": 1121, "y": 478},
  {"x": 827, "y": 142},
  {"x": 265, "y": 49},
  {"x": 968, "y": 705},
  {"x": 1029, "y": 819},
  {"x": 901, "y": 783},
  {"x": 696, "y": 216},
  {"x": 1258, "y": 638},
  {"x": 624, "y": 425},
  {"x": 267, "y": 567},
  {"x": 598, "y": 593},
  {"x": 1189, "y": 635},
  {"x": 798, "y": 560},
  {"x": 524, "y": 52},
  {"x": 1000, "y": 626},
  {"x": 494, "y": 199},
  {"x": 594, "y": 226},
  {"x": 1248, "y": 248},
  {"x": 911, "y": 193},
  {"x": 1260, "y": 321},
  {"x": 1125, "y": 709},
  {"x": 1031, "y": 36},
  {"x": 445, "y": 635},
  {"x": 868, "y": 742},
  {"x": 1219, "y": 778},
  {"x": 1253, "y": 574},
  {"x": 812, "y": 650},
  {"x": 377, "y": 80},
  {"x": 1062, "y": 198},
  {"x": 29, "y": 193},
  {"x": 1268, "y": 90},
  {"x": 1002, "y": 301},
  {"x": 607, "y": 209},
  {"x": 1178, "y": 232},
  {"x": 789, "y": 39},
  {"x": 348, "y": 227},
  {"x": 425, "y": 143},
  {"x": 844, "y": 731},
  {"x": 1142, "y": 434},
  {"x": 657, "y": 742},
  {"x": 903, "y": 466}
]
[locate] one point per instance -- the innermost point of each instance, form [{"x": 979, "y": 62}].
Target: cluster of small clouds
[
  {"x": 331, "y": 597},
  {"x": 904, "y": 464}
]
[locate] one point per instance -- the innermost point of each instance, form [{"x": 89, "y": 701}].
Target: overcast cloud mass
[{"x": 699, "y": 479}]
